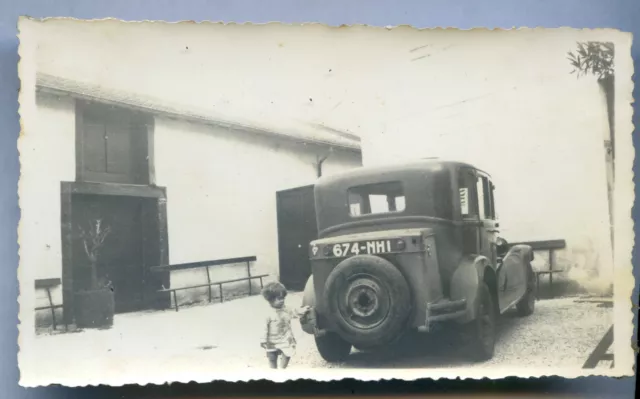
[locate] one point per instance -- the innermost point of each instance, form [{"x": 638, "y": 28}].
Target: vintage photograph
[{"x": 209, "y": 201}]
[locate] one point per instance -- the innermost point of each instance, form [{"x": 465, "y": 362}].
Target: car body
[{"x": 402, "y": 247}]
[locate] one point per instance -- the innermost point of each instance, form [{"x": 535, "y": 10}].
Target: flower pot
[{"x": 94, "y": 308}]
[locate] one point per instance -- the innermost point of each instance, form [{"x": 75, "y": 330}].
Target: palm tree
[
  {"x": 597, "y": 59},
  {"x": 593, "y": 58}
]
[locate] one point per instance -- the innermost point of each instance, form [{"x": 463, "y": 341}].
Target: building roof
[{"x": 292, "y": 130}]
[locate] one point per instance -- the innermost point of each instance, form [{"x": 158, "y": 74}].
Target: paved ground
[{"x": 561, "y": 333}]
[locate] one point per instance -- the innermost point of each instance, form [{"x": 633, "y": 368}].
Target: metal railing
[
  {"x": 551, "y": 246},
  {"x": 209, "y": 284},
  {"x": 47, "y": 284}
]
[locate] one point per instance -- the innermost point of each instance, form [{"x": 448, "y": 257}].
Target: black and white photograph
[{"x": 209, "y": 201}]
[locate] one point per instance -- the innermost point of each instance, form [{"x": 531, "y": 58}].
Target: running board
[{"x": 443, "y": 310}]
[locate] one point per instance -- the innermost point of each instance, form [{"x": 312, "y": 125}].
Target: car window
[
  {"x": 468, "y": 193},
  {"x": 493, "y": 202},
  {"x": 376, "y": 198},
  {"x": 482, "y": 200},
  {"x": 485, "y": 198}
]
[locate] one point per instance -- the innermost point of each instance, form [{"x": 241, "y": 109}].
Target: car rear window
[{"x": 376, "y": 198}]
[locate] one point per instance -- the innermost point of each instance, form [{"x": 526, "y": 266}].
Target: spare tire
[{"x": 368, "y": 300}]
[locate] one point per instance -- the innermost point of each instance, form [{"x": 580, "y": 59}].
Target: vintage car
[{"x": 404, "y": 247}]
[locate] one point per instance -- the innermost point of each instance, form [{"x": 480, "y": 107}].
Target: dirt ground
[{"x": 561, "y": 333}]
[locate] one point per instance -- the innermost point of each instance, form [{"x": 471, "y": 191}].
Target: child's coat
[{"x": 279, "y": 334}]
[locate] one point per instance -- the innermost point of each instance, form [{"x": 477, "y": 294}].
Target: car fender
[
  {"x": 523, "y": 250},
  {"x": 308, "y": 321},
  {"x": 525, "y": 255},
  {"x": 309, "y": 294},
  {"x": 465, "y": 283}
]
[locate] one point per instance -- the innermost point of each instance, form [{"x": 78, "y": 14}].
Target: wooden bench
[
  {"x": 47, "y": 284},
  {"x": 551, "y": 246},
  {"x": 207, "y": 264}
]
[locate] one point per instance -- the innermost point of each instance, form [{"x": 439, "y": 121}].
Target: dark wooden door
[
  {"x": 124, "y": 255},
  {"x": 297, "y": 227},
  {"x": 112, "y": 144}
]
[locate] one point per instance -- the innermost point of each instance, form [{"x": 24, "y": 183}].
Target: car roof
[{"x": 409, "y": 167}]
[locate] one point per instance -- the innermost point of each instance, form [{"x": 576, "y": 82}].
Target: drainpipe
[{"x": 318, "y": 164}]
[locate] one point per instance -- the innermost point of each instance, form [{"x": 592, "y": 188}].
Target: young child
[{"x": 279, "y": 340}]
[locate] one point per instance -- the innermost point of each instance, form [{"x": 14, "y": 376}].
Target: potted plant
[{"x": 94, "y": 303}]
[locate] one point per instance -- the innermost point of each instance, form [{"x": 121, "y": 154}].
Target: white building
[{"x": 174, "y": 186}]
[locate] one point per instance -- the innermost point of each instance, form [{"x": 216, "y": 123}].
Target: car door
[
  {"x": 511, "y": 272},
  {"x": 512, "y": 278},
  {"x": 488, "y": 233}
]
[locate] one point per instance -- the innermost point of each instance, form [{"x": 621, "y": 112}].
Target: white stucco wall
[
  {"x": 47, "y": 156},
  {"x": 221, "y": 189}
]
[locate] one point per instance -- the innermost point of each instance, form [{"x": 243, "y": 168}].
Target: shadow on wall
[
  {"x": 190, "y": 297},
  {"x": 219, "y": 273},
  {"x": 43, "y": 316},
  {"x": 44, "y": 319},
  {"x": 583, "y": 271},
  {"x": 196, "y": 296},
  {"x": 562, "y": 286}
]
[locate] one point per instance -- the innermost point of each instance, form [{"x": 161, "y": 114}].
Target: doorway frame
[
  {"x": 68, "y": 190},
  {"x": 279, "y": 193}
]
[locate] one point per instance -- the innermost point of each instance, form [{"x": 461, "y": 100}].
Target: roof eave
[{"x": 44, "y": 85}]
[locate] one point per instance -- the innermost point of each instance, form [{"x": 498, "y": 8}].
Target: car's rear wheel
[
  {"x": 482, "y": 330},
  {"x": 332, "y": 347},
  {"x": 368, "y": 300}
]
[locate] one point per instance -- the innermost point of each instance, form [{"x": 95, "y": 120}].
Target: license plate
[{"x": 372, "y": 247}]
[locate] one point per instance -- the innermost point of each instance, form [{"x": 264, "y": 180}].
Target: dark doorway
[
  {"x": 128, "y": 250},
  {"x": 297, "y": 227}
]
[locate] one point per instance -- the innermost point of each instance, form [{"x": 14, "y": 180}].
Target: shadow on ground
[
  {"x": 561, "y": 287},
  {"x": 444, "y": 347}
]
